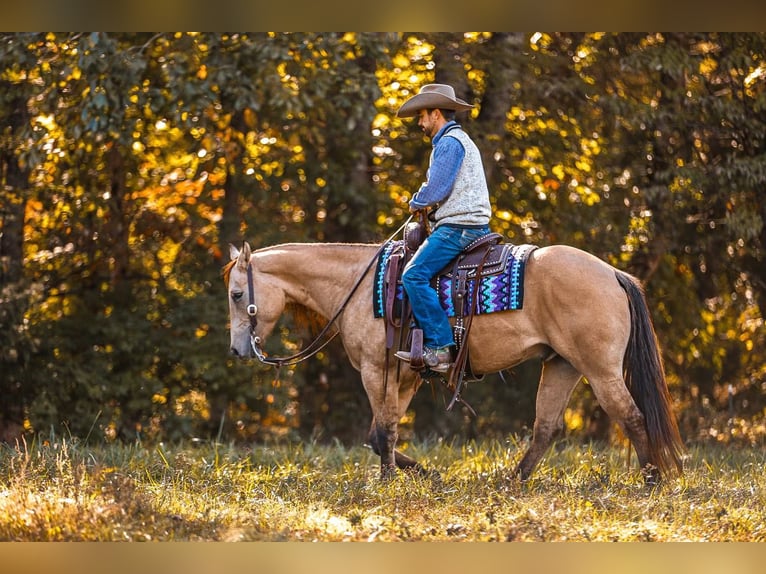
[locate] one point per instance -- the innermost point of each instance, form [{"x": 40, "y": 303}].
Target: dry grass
[{"x": 62, "y": 490}]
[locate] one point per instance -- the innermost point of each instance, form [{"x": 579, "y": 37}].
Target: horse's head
[{"x": 253, "y": 308}]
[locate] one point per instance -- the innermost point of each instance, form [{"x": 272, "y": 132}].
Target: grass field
[{"x": 61, "y": 490}]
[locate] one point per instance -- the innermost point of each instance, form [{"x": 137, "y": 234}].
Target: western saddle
[{"x": 485, "y": 256}]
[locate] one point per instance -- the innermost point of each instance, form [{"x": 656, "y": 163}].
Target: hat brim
[{"x": 430, "y": 101}]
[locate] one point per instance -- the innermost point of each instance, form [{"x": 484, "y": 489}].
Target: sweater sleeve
[{"x": 447, "y": 157}]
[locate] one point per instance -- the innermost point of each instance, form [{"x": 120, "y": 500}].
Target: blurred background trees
[{"x": 128, "y": 162}]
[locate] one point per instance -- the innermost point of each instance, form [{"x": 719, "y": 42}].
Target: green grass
[{"x": 64, "y": 490}]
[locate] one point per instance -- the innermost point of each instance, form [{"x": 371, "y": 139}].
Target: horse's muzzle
[{"x": 241, "y": 355}]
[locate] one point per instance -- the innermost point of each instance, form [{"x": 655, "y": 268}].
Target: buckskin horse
[{"x": 580, "y": 315}]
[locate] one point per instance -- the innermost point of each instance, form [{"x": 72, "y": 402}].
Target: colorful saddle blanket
[{"x": 501, "y": 285}]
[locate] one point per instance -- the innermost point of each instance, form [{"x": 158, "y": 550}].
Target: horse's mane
[
  {"x": 303, "y": 317},
  {"x": 226, "y": 271}
]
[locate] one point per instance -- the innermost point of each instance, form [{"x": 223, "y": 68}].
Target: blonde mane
[{"x": 226, "y": 271}]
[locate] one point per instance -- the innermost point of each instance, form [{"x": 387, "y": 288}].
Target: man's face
[{"x": 428, "y": 122}]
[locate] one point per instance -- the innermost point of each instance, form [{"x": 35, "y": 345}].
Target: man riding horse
[{"x": 456, "y": 193}]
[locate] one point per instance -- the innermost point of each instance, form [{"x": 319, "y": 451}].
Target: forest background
[{"x": 129, "y": 162}]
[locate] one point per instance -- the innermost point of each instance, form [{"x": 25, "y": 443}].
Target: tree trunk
[
  {"x": 496, "y": 100},
  {"x": 118, "y": 224},
  {"x": 15, "y": 182}
]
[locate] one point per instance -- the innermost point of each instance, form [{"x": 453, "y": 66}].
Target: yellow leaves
[
  {"x": 573, "y": 420},
  {"x": 532, "y": 153},
  {"x": 707, "y": 66},
  {"x": 250, "y": 119},
  {"x": 755, "y": 75},
  {"x": 401, "y": 61},
  {"x": 34, "y": 208},
  {"x": 202, "y": 72},
  {"x": 159, "y": 399},
  {"x": 271, "y": 168},
  {"x": 539, "y": 41},
  {"x": 46, "y": 121}
]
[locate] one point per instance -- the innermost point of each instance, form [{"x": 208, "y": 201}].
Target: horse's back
[
  {"x": 573, "y": 306},
  {"x": 579, "y": 303}
]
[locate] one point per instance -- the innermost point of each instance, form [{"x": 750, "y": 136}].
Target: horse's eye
[{"x": 236, "y": 295}]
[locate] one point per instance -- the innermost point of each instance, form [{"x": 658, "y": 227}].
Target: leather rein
[{"x": 317, "y": 344}]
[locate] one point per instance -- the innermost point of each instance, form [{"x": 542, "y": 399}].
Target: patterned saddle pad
[{"x": 501, "y": 286}]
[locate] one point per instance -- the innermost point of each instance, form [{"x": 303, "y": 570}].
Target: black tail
[{"x": 645, "y": 378}]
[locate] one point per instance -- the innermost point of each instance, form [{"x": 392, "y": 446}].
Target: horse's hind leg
[
  {"x": 614, "y": 397},
  {"x": 557, "y": 382}
]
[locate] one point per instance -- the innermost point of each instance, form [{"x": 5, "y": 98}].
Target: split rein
[{"x": 317, "y": 344}]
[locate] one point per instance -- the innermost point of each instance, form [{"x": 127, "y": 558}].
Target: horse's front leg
[
  {"x": 383, "y": 439},
  {"x": 383, "y": 442},
  {"x": 389, "y": 401}
]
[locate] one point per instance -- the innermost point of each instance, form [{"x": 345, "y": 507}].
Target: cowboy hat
[{"x": 432, "y": 96}]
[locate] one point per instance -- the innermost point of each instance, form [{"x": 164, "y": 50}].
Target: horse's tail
[{"x": 645, "y": 378}]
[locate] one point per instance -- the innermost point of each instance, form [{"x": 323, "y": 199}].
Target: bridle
[
  {"x": 312, "y": 349},
  {"x": 317, "y": 344}
]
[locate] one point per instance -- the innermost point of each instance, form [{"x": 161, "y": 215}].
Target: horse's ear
[
  {"x": 243, "y": 257},
  {"x": 233, "y": 252}
]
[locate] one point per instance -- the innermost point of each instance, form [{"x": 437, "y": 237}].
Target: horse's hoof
[
  {"x": 433, "y": 475},
  {"x": 387, "y": 471},
  {"x": 652, "y": 477}
]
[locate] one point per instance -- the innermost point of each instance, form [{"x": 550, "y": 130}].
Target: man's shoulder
[
  {"x": 455, "y": 134},
  {"x": 461, "y": 137}
]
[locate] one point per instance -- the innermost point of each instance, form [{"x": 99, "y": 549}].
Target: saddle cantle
[{"x": 475, "y": 256}]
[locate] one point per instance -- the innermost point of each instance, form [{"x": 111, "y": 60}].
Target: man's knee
[{"x": 412, "y": 275}]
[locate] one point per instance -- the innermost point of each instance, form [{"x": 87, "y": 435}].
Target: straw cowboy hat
[{"x": 433, "y": 96}]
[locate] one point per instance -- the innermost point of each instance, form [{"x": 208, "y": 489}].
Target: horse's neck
[{"x": 316, "y": 275}]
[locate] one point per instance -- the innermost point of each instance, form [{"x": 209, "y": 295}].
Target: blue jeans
[{"x": 441, "y": 247}]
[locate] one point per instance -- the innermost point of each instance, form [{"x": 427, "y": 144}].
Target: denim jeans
[{"x": 441, "y": 247}]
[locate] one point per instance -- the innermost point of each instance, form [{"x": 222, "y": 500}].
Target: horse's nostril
[{"x": 234, "y": 352}]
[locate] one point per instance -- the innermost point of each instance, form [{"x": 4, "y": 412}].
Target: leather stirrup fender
[{"x": 389, "y": 295}]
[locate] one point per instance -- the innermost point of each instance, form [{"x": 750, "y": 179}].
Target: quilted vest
[{"x": 468, "y": 203}]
